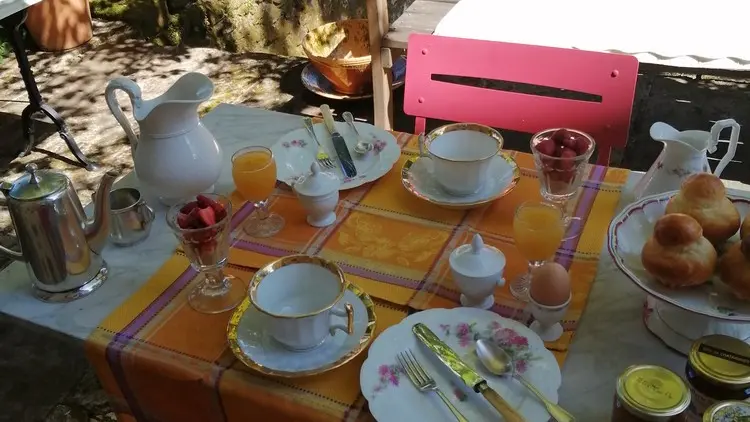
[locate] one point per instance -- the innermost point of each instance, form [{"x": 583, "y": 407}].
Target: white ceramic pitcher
[
  {"x": 175, "y": 157},
  {"x": 684, "y": 153}
]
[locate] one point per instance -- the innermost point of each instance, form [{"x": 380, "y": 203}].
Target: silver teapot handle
[{"x": 10, "y": 253}]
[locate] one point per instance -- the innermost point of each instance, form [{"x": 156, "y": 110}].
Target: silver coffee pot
[{"x": 59, "y": 244}]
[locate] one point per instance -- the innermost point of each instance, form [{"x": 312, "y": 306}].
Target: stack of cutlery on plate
[{"x": 356, "y": 152}]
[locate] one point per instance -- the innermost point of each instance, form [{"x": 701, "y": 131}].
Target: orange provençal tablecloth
[{"x": 161, "y": 361}]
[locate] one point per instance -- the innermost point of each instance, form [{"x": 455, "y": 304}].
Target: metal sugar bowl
[{"x": 59, "y": 244}]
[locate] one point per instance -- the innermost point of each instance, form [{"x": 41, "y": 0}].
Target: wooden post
[{"x": 377, "y": 17}]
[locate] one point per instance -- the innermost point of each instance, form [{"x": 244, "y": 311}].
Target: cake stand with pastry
[{"x": 690, "y": 251}]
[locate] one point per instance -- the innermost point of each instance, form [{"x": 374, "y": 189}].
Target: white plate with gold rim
[
  {"x": 392, "y": 397},
  {"x": 252, "y": 345},
  {"x": 503, "y": 176}
]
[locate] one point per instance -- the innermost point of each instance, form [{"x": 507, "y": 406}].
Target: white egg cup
[
  {"x": 319, "y": 194},
  {"x": 477, "y": 271},
  {"x": 547, "y": 319}
]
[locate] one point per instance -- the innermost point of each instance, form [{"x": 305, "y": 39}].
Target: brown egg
[{"x": 550, "y": 284}]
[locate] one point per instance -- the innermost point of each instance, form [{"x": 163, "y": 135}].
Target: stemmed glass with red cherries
[{"x": 561, "y": 157}]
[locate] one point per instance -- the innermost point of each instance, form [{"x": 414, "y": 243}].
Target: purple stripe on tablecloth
[
  {"x": 358, "y": 271},
  {"x": 585, "y": 203},
  {"x": 262, "y": 249},
  {"x": 381, "y": 277},
  {"x": 157, "y": 305}
]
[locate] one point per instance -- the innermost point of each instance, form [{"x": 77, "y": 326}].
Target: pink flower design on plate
[
  {"x": 300, "y": 143},
  {"x": 379, "y": 145},
  {"x": 389, "y": 375},
  {"x": 516, "y": 345}
]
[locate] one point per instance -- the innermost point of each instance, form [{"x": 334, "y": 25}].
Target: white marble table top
[
  {"x": 610, "y": 337},
  {"x": 9, "y": 7}
]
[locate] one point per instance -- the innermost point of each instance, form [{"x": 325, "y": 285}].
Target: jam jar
[
  {"x": 728, "y": 411},
  {"x": 650, "y": 393},
  {"x": 718, "y": 369}
]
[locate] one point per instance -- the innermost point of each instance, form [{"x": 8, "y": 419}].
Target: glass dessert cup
[
  {"x": 538, "y": 229},
  {"x": 207, "y": 249},
  {"x": 561, "y": 158},
  {"x": 254, "y": 175}
]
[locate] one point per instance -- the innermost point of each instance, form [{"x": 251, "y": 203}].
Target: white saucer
[
  {"x": 416, "y": 176},
  {"x": 391, "y": 397},
  {"x": 252, "y": 345},
  {"x": 296, "y": 151}
]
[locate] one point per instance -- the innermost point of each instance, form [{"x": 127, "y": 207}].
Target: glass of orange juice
[
  {"x": 538, "y": 229},
  {"x": 254, "y": 174}
]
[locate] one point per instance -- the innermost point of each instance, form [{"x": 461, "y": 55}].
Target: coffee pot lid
[
  {"x": 318, "y": 182},
  {"x": 477, "y": 260},
  {"x": 36, "y": 184}
]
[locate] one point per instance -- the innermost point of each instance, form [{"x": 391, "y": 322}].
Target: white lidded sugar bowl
[
  {"x": 319, "y": 194},
  {"x": 477, "y": 270}
]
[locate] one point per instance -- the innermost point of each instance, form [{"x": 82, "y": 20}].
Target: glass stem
[
  {"x": 214, "y": 280},
  {"x": 261, "y": 210}
]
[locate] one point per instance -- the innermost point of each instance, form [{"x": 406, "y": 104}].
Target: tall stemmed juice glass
[
  {"x": 207, "y": 249},
  {"x": 561, "y": 157},
  {"x": 254, "y": 174},
  {"x": 538, "y": 229}
]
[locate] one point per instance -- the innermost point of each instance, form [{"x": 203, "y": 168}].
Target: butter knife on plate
[
  {"x": 469, "y": 376},
  {"x": 339, "y": 144}
]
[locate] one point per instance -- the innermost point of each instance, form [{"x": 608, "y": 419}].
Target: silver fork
[
  {"x": 322, "y": 157},
  {"x": 423, "y": 381}
]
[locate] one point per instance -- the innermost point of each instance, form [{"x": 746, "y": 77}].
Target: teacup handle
[
  {"x": 501, "y": 282},
  {"x": 420, "y": 143},
  {"x": 348, "y": 312}
]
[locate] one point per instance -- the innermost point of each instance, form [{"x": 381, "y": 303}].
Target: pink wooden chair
[{"x": 611, "y": 76}]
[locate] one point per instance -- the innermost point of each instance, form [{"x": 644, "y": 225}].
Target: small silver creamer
[{"x": 59, "y": 244}]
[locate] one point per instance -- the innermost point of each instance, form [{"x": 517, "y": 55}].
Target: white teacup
[
  {"x": 300, "y": 293},
  {"x": 461, "y": 155}
]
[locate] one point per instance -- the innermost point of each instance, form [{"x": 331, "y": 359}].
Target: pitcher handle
[
  {"x": 733, "y": 139},
  {"x": 134, "y": 92}
]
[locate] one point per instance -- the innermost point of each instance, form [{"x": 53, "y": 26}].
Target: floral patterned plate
[
  {"x": 392, "y": 397},
  {"x": 295, "y": 152},
  {"x": 630, "y": 230}
]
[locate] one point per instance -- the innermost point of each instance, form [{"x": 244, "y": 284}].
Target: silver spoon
[
  {"x": 362, "y": 147},
  {"x": 497, "y": 361}
]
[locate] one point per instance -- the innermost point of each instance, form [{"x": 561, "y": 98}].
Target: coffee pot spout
[{"x": 97, "y": 229}]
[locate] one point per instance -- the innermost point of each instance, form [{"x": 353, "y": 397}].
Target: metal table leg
[{"x": 12, "y": 24}]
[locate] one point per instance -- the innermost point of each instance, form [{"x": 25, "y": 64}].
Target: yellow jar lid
[
  {"x": 721, "y": 359},
  {"x": 648, "y": 390},
  {"x": 728, "y": 411}
]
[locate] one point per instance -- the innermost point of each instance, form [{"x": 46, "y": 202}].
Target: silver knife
[
  {"x": 339, "y": 144},
  {"x": 469, "y": 376}
]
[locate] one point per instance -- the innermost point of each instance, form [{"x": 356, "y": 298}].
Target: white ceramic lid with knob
[
  {"x": 475, "y": 259},
  {"x": 317, "y": 183}
]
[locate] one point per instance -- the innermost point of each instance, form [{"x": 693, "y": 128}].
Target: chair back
[{"x": 607, "y": 81}]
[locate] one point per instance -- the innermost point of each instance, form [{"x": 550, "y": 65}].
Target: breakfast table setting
[{"x": 260, "y": 265}]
